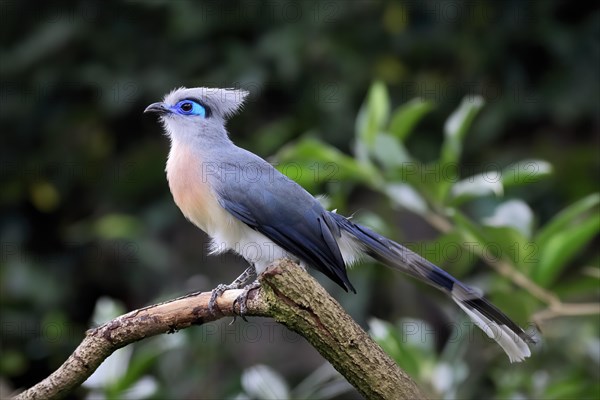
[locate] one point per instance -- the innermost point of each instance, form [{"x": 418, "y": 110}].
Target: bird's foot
[
  {"x": 216, "y": 293},
  {"x": 239, "y": 283},
  {"x": 242, "y": 299}
]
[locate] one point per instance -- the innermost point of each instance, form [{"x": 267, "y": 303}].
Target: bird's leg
[
  {"x": 243, "y": 298},
  {"x": 238, "y": 283}
]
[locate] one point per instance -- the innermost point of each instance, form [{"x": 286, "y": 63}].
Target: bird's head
[{"x": 197, "y": 112}]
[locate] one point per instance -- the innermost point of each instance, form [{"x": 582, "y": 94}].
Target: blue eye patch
[{"x": 190, "y": 107}]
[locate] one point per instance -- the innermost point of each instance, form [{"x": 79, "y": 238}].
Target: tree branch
[
  {"x": 565, "y": 310},
  {"x": 287, "y": 294}
]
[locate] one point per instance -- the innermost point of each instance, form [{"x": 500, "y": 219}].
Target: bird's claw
[
  {"x": 242, "y": 299},
  {"x": 238, "y": 283},
  {"x": 216, "y": 293}
]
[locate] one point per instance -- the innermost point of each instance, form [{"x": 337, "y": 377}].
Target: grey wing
[{"x": 288, "y": 215}]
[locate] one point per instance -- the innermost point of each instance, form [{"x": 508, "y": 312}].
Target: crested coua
[{"x": 246, "y": 205}]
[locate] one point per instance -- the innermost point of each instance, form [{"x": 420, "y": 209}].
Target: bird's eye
[{"x": 191, "y": 107}]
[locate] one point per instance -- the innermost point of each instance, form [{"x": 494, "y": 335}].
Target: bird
[{"x": 247, "y": 206}]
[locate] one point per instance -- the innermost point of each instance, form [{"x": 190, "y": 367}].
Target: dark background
[{"x": 86, "y": 211}]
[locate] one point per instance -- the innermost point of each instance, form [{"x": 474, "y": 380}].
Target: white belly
[{"x": 256, "y": 248}]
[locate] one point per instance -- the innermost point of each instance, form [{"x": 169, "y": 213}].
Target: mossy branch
[{"x": 287, "y": 294}]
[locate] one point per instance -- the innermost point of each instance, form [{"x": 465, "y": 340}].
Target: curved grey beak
[{"x": 159, "y": 108}]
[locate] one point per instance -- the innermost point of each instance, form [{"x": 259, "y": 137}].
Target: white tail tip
[{"x": 512, "y": 344}]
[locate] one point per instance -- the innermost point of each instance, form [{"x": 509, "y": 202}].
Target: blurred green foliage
[
  {"x": 506, "y": 239},
  {"x": 477, "y": 143}
]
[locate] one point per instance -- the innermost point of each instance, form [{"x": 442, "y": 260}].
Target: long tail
[{"x": 484, "y": 314}]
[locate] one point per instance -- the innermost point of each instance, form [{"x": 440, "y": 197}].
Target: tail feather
[
  {"x": 510, "y": 341},
  {"x": 484, "y": 314}
]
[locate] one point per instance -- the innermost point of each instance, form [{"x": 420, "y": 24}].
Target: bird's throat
[{"x": 190, "y": 188}]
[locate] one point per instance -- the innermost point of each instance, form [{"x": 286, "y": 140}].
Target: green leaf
[
  {"x": 401, "y": 345},
  {"x": 407, "y": 197},
  {"x": 570, "y": 388},
  {"x": 448, "y": 252},
  {"x": 311, "y": 163},
  {"x": 475, "y": 186},
  {"x": 425, "y": 178},
  {"x": 474, "y": 239},
  {"x": 415, "y": 174},
  {"x": 562, "y": 247},
  {"x": 578, "y": 286},
  {"x": 496, "y": 242},
  {"x": 525, "y": 172},
  {"x": 389, "y": 151},
  {"x": 517, "y": 302},
  {"x": 407, "y": 116},
  {"x": 566, "y": 217},
  {"x": 515, "y": 214},
  {"x": 373, "y": 114},
  {"x": 506, "y": 242},
  {"x": 361, "y": 152},
  {"x": 456, "y": 128}
]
